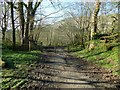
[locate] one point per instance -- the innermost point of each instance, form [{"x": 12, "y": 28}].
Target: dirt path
[{"x": 61, "y": 70}]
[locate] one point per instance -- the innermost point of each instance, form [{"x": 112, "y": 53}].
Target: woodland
[{"x": 56, "y": 44}]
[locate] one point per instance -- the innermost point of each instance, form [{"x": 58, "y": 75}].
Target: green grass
[
  {"x": 14, "y": 73},
  {"x": 18, "y": 84},
  {"x": 74, "y": 48},
  {"x": 101, "y": 56},
  {"x": 20, "y": 57}
]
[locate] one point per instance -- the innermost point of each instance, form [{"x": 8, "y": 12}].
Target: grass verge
[
  {"x": 15, "y": 70},
  {"x": 101, "y": 56}
]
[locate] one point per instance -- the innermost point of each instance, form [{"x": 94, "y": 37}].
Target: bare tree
[
  {"x": 4, "y": 20},
  {"x": 13, "y": 24},
  {"x": 95, "y": 19},
  {"x": 27, "y": 26},
  {"x": 94, "y": 22},
  {"x": 21, "y": 19}
]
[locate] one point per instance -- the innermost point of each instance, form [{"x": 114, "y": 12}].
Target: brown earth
[{"x": 59, "y": 69}]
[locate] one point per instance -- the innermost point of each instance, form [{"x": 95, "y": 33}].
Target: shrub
[{"x": 9, "y": 64}]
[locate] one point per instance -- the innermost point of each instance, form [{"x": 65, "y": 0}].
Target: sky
[
  {"x": 48, "y": 8},
  {"x": 71, "y": 0}
]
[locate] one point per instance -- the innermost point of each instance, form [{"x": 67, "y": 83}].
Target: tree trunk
[
  {"x": 22, "y": 20},
  {"x": 30, "y": 22},
  {"x": 31, "y": 28},
  {"x": 4, "y": 27},
  {"x": 32, "y": 16},
  {"x": 83, "y": 43},
  {"x": 94, "y": 23},
  {"x": 95, "y": 19},
  {"x": 3, "y": 33},
  {"x": 13, "y": 25},
  {"x": 97, "y": 8},
  {"x": 26, "y": 44}
]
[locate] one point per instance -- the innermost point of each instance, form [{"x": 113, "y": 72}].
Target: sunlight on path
[
  {"x": 58, "y": 69},
  {"x": 66, "y": 78}
]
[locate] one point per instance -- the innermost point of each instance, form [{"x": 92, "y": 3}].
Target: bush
[{"x": 9, "y": 64}]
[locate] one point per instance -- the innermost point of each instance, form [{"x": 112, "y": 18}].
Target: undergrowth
[
  {"x": 101, "y": 56},
  {"x": 15, "y": 70}
]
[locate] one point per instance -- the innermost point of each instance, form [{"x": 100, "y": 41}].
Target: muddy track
[{"x": 58, "y": 69}]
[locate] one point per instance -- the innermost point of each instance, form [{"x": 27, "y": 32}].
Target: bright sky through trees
[
  {"x": 47, "y": 8},
  {"x": 57, "y": 10}
]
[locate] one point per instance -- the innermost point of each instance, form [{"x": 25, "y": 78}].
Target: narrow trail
[{"x": 61, "y": 70}]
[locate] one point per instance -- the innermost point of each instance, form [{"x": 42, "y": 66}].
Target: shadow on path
[{"x": 58, "y": 69}]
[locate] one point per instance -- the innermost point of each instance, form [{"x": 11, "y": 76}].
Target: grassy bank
[
  {"x": 101, "y": 55},
  {"x": 14, "y": 72}
]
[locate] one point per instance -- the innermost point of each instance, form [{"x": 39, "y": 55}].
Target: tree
[
  {"x": 27, "y": 26},
  {"x": 95, "y": 19},
  {"x": 4, "y": 20},
  {"x": 26, "y": 44},
  {"x": 81, "y": 20},
  {"x": 94, "y": 22},
  {"x": 13, "y": 25},
  {"x": 31, "y": 10},
  {"x": 21, "y": 19}
]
